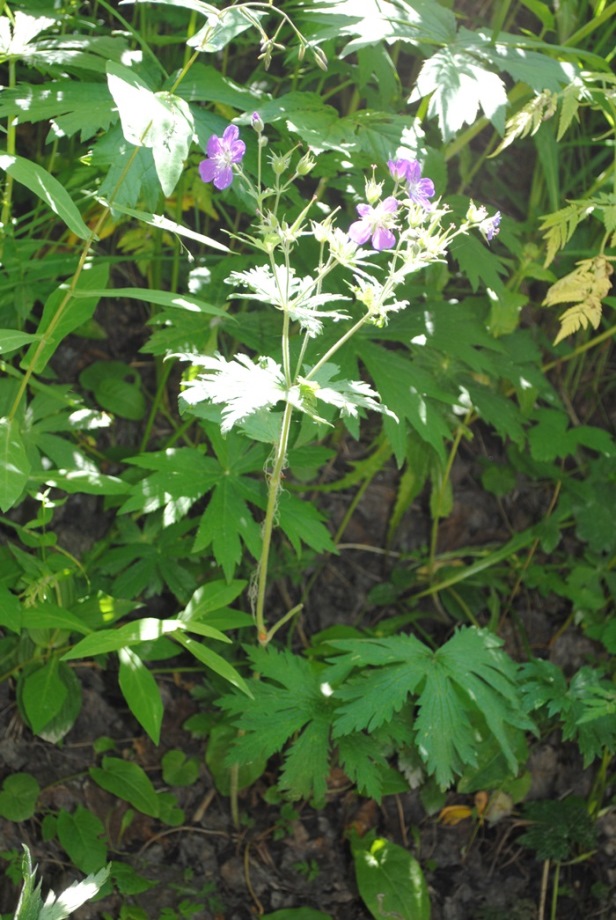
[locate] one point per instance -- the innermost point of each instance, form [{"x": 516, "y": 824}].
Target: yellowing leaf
[
  {"x": 585, "y": 287},
  {"x": 529, "y": 119},
  {"x": 453, "y": 814}
]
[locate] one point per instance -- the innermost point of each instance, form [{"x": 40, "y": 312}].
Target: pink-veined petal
[
  {"x": 425, "y": 187},
  {"x": 383, "y": 239},
  {"x": 360, "y": 232},
  {"x": 230, "y": 135},
  {"x": 213, "y": 148},
  {"x": 223, "y": 177},
  {"x": 365, "y": 210},
  {"x": 389, "y": 205},
  {"x": 413, "y": 172},
  {"x": 237, "y": 150},
  {"x": 208, "y": 170}
]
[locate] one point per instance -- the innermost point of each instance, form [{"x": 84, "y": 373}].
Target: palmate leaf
[
  {"x": 468, "y": 681},
  {"x": 382, "y": 20},
  {"x": 74, "y": 106},
  {"x": 458, "y": 85},
  {"x": 287, "y": 701}
]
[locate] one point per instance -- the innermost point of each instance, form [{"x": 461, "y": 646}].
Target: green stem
[
  {"x": 11, "y": 134},
  {"x": 274, "y": 481},
  {"x": 332, "y": 351},
  {"x": 439, "y": 502}
]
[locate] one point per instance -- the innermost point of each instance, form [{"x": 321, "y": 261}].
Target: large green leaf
[
  {"x": 161, "y": 121},
  {"x": 75, "y": 106},
  {"x": 372, "y": 21},
  {"x": 141, "y": 692},
  {"x": 164, "y": 223},
  {"x": 48, "y": 189},
  {"x": 467, "y": 683},
  {"x": 43, "y": 694},
  {"x": 14, "y": 463},
  {"x": 458, "y": 85}
]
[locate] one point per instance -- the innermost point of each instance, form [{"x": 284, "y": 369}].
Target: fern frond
[
  {"x": 586, "y": 286},
  {"x": 571, "y": 97},
  {"x": 559, "y": 227},
  {"x": 529, "y": 119}
]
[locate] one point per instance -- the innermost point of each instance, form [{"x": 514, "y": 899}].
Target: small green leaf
[
  {"x": 170, "y": 812},
  {"x": 11, "y": 339},
  {"x": 209, "y": 658},
  {"x": 178, "y": 769},
  {"x": 117, "y": 388},
  {"x": 14, "y": 463},
  {"x": 211, "y": 597},
  {"x": 390, "y": 880},
  {"x": 11, "y": 611},
  {"x": 18, "y": 797},
  {"x": 128, "y": 782},
  {"x": 297, "y": 913},
  {"x": 80, "y": 835},
  {"x": 141, "y": 692},
  {"x": 48, "y": 189}
]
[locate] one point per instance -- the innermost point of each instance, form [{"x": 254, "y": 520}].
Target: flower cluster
[{"x": 377, "y": 218}]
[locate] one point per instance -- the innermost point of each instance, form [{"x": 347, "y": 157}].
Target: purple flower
[
  {"x": 491, "y": 227},
  {"x": 398, "y": 169},
  {"x": 420, "y": 190},
  {"x": 375, "y": 223},
  {"x": 222, "y": 153}
]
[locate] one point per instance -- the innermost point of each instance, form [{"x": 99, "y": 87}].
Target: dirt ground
[{"x": 293, "y": 856}]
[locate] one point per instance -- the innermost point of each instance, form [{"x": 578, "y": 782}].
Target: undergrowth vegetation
[{"x": 254, "y": 258}]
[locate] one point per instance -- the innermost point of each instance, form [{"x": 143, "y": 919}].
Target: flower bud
[
  {"x": 280, "y": 163},
  {"x": 320, "y": 58},
  {"x": 257, "y": 122},
  {"x": 476, "y": 214},
  {"x": 306, "y": 164},
  {"x": 374, "y": 190}
]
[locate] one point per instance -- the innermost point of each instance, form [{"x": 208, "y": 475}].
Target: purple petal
[
  {"x": 237, "y": 150},
  {"x": 214, "y": 146},
  {"x": 413, "y": 172},
  {"x": 208, "y": 170},
  {"x": 383, "y": 239},
  {"x": 223, "y": 177},
  {"x": 230, "y": 134},
  {"x": 389, "y": 205},
  {"x": 359, "y": 232},
  {"x": 365, "y": 210},
  {"x": 425, "y": 187},
  {"x": 398, "y": 169}
]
